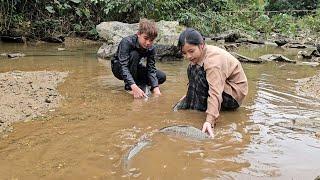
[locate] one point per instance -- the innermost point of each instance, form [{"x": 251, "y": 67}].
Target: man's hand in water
[
  {"x": 207, "y": 127},
  {"x": 156, "y": 91},
  {"x": 137, "y": 92}
]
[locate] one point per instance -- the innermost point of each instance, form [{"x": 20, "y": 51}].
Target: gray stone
[
  {"x": 228, "y": 36},
  {"x": 113, "y": 32},
  {"x": 251, "y": 41},
  {"x": 242, "y": 58},
  {"x": 275, "y": 57},
  {"x": 281, "y": 42},
  {"x": 295, "y": 45},
  {"x": 15, "y": 55}
]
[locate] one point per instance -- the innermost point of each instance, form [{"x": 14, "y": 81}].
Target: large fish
[
  {"x": 185, "y": 131},
  {"x": 135, "y": 150},
  {"x": 178, "y": 130}
]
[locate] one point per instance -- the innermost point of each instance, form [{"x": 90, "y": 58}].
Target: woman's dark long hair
[{"x": 190, "y": 36}]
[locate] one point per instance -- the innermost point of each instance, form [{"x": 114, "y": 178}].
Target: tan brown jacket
[{"x": 224, "y": 73}]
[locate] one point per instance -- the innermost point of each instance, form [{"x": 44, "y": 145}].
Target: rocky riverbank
[
  {"x": 309, "y": 86},
  {"x": 27, "y": 95}
]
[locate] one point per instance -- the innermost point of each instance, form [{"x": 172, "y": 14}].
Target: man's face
[
  {"x": 192, "y": 52},
  {"x": 144, "y": 40}
]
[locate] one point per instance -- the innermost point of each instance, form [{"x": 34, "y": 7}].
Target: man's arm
[
  {"x": 124, "y": 57},
  {"x": 152, "y": 72},
  {"x": 151, "y": 68}
]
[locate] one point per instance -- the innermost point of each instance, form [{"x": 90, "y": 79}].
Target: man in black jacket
[{"x": 126, "y": 64}]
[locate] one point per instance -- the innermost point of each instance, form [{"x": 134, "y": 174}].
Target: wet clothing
[
  {"x": 126, "y": 64},
  {"x": 216, "y": 82}
]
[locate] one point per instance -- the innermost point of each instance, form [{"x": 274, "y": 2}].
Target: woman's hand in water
[
  {"x": 207, "y": 127},
  {"x": 137, "y": 92},
  {"x": 156, "y": 91}
]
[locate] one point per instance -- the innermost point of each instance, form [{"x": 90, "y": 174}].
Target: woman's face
[{"x": 192, "y": 52}]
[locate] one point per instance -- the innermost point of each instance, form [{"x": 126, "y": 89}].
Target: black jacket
[{"x": 122, "y": 56}]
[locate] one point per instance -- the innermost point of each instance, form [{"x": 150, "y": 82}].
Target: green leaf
[
  {"x": 78, "y": 12},
  {"x": 50, "y": 9},
  {"x": 86, "y": 12},
  {"x": 75, "y": 1},
  {"x": 66, "y": 6},
  {"x": 77, "y": 27}
]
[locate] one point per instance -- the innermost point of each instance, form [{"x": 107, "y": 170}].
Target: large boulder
[
  {"x": 112, "y": 32},
  {"x": 228, "y": 36}
]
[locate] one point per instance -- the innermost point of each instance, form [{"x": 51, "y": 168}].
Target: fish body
[
  {"x": 178, "y": 130},
  {"x": 135, "y": 150},
  {"x": 185, "y": 131}
]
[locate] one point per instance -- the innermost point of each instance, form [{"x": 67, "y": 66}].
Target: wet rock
[
  {"x": 251, "y": 41},
  {"x": 276, "y": 57},
  {"x": 230, "y": 47},
  {"x": 315, "y": 53},
  {"x": 167, "y": 52},
  {"x": 15, "y": 55},
  {"x": 308, "y": 54},
  {"x": 13, "y": 39},
  {"x": 242, "y": 58},
  {"x": 113, "y": 32},
  {"x": 317, "y": 178},
  {"x": 281, "y": 42},
  {"x": 318, "y": 47},
  {"x": 305, "y": 54},
  {"x": 296, "y": 45},
  {"x": 228, "y": 36},
  {"x": 54, "y": 39},
  {"x": 107, "y": 50}
]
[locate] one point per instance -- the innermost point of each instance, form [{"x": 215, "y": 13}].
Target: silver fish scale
[
  {"x": 137, "y": 148},
  {"x": 187, "y": 131}
]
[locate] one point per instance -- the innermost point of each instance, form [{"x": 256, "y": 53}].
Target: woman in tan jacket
[{"x": 216, "y": 79}]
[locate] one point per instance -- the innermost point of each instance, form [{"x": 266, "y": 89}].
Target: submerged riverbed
[{"x": 272, "y": 135}]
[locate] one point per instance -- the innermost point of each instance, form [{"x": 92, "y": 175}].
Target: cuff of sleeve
[
  {"x": 154, "y": 84},
  {"x": 130, "y": 83},
  {"x": 152, "y": 87}
]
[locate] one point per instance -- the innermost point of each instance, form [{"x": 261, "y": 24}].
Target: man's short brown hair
[{"x": 148, "y": 27}]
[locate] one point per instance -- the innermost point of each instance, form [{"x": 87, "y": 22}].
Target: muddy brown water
[{"x": 97, "y": 123}]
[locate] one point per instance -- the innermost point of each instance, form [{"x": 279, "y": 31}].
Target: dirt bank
[
  {"x": 309, "y": 86},
  {"x": 26, "y": 95}
]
